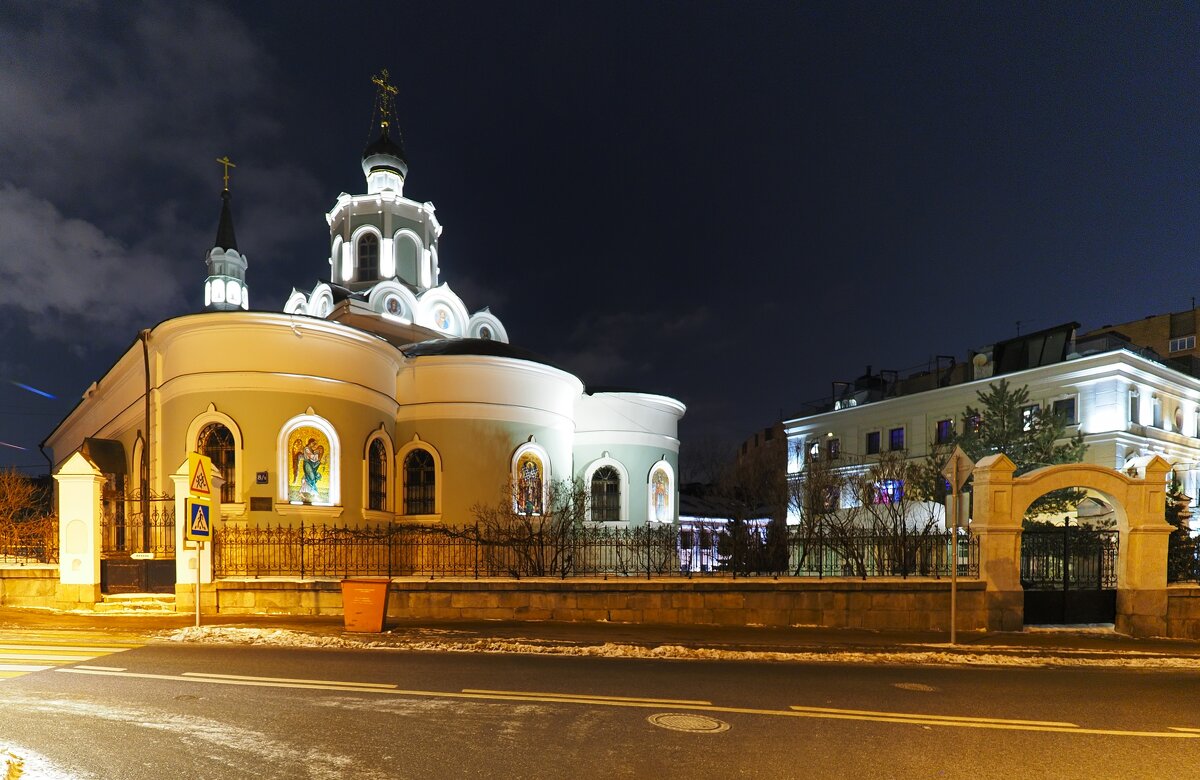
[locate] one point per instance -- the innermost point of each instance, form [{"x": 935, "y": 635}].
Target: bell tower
[{"x": 225, "y": 288}]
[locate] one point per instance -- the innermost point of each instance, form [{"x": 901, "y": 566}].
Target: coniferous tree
[
  {"x": 1182, "y": 563},
  {"x": 1030, "y": 436}
]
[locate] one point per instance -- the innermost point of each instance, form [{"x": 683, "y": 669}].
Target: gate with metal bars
[
  {"x": 1069, "y": 574},
  {"x": 137, "y": 544}
]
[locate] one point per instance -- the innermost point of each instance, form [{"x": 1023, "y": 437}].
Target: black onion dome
[{"x": 385, "y": 145}]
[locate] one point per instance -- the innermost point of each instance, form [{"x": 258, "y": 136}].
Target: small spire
[{"x": 225, "y": 236}]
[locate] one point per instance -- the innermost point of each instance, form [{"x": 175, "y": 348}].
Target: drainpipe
[{"x": 144, "y": 466}]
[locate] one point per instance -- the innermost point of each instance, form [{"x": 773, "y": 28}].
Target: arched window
[
  {"x": 216, "y": 441},
  {"x": 377, "y": 476},
  {"x": 408, "y": 253},
  {"x": 368, "y": 258},
  {"x": 606, "y": 494},
  {"x": 419, "y": 485}
]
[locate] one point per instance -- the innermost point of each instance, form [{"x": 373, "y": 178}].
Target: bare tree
[
  {"x": 902, "y": 516},
  {"x": 27, "y": 530},
  {"x": 527, "y": 543}
]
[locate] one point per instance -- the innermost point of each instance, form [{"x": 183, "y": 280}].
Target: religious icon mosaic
[
  {"x": 660, "y": 495},
  {"x": 309, "y": 465},
  {"x": 529, "y": 484}
]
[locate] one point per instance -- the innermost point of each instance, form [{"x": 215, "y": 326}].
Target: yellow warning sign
[
  {"x": 199, "y": 475},
  {"x": 199, "y": 524}
]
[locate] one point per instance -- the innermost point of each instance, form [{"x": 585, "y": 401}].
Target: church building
[{"x": 374, "y": 395}]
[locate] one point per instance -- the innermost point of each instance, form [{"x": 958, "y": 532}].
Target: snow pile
[
  {"x": 275, "y": 637},
  {"x": 930, "y": 655},
  {"x": 17, "y": 762}
]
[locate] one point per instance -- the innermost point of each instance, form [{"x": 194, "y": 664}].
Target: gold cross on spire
[
  {"x": 229, "y": 164},
  {"x": 385, "y": 98}
]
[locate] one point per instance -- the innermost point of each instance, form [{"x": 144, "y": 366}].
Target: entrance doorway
[{"x": 137, "y": 549}]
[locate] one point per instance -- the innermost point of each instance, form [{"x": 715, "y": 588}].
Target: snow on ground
[
  {"x": 914, "y": 654},
  {"x": 17, "y": 762}
]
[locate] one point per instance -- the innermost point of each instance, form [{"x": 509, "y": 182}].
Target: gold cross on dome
[
  {"x": 385, "y": 97},
  {"x": 381, "y": 81},
  {"x": 228, "y": 164}
]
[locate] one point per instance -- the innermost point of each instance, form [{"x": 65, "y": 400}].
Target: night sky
[{"x": 729, "y": 203}]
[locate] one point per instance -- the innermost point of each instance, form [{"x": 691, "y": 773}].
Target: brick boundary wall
[
  {"x": 1183, "y": 611},
  {"x": 913, "y": 605}
]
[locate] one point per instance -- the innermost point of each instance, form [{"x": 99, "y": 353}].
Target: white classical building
[
  {"x": 375, "y": 395},
  {"x": 1126, "y": 400}
]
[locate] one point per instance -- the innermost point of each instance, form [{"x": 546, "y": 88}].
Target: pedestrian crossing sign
[
  {"x": 199, "y": 475},
  {"x": 199, "y": 523}
]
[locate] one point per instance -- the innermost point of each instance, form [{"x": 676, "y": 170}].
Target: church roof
[
  {"x": 480, "y": 347},
  {"x": 225, "y": 237}
]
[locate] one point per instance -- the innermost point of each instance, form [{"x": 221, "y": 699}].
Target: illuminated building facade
[{"x": 1126, "y": 399}]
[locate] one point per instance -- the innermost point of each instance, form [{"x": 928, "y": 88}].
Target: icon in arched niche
[
  {"x": 442, "y": 318},
  {"x": 660, "y": 494},
  {"x": 529, "y": 484},
  {"x": 310, "y": 456},
  {"x": 393, "y": 306}
]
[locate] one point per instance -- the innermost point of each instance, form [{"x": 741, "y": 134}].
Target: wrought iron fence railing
[
  {"x": 29, "y": 542},
  {"x": 1183, "y": 558},
  {"x": 1069, "y": 558},
  {"x": 316, "y": 550},
  {"x": 134, "y": 526}
]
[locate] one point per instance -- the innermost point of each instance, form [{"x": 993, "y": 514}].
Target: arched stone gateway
[{"x": 1139, "y": 504}]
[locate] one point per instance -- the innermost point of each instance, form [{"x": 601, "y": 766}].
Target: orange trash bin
[{"x": 364, "y": 604}]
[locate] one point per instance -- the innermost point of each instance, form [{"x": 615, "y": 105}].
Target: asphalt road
[{"x": 200, "y": 711}]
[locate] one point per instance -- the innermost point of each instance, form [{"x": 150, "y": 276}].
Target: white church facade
[{"x": 376, "y": 395}]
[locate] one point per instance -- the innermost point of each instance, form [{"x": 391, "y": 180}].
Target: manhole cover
[
  {"x": 681, "y": 721},
  {"x": 922, "y": 687}
]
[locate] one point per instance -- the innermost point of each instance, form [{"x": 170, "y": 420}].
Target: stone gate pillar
[
  {"x": 999, "y": 542},
  {"x": 79, "y": 536},
  {"x": 1142, "y": 562}
]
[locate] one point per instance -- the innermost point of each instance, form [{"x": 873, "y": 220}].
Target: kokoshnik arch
[{"x": 375, "y": 394}]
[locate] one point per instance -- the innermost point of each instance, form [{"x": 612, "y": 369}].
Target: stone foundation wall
[
  {"x": 1183, "y": 611},
  {"x": 914, "y": 605},
  {"x": 28, "y": 586}
]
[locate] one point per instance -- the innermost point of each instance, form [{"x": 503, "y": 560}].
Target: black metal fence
[
  {"x": 29, "y": 542},
  {"x": 135, "y": 526},
  {"x": 1069, "y": 558},
  {"x": 1183, "y": 558},
  {"x": 314, "y": 550}
]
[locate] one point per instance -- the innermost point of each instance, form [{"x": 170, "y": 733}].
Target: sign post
[
  {"x": 199, "y": 524},
  {"x": 956, "y": 471}
]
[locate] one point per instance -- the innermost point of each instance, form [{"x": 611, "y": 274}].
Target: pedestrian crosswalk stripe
[{"x": 22, "y": 653}]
